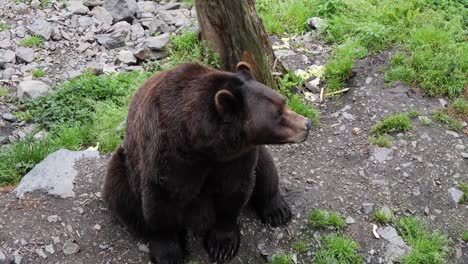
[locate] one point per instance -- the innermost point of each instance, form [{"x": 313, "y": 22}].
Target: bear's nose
[{"x": 308, "y": 124}]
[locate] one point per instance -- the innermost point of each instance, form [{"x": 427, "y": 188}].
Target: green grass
[
  {"x": 465, "y": 236},
  {"x": 381, "y": 217},
  {"x": 300, "y": 247},
  {"x": 427, "y": 246},
  {"x": 391, "y": 124},
  {"x": 413, "y": 113},
  {"x": 338, "y": 248},
  {"x": 431, "y": 36},
  {"x": 459, "y": 109},
  {"x": 285, "y": 16},
  {"x": 323, "y": 218},
  {"x": 281, "y": 259},
  {"x": 4, "y": 26},
  {"x": 3, "y": 91},
  {"x": 464, "y": 188},
  {"x": 38, "y": 73},
  {"x": 87, "y": 110},
  {"x": 31, "y": 41},
  {"x": 425, "y": 122},
  {"x": 381, "y": 141},
  {"x": 442, "y": 117}
]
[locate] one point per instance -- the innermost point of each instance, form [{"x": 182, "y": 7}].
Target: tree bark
[{"x": 232, "y": 29}]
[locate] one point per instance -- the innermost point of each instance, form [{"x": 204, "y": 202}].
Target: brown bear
[{"x": 194, "y": 154}]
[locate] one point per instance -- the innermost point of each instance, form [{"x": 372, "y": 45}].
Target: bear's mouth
[{"x": 298, "y": 137}]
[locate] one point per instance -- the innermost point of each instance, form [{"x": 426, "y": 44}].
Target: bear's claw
[
  {"x": 221, "y": 245},
  {"x": 276, "y": 213}
]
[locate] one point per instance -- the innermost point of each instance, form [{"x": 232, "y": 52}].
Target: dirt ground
[{"x": 333, "y": 170}]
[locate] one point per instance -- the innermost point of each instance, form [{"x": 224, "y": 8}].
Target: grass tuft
[
  {"x": 31, "y": 41},
  {"x": 4, "y": 26},
  {"x": 338, "y": 248},
  {"x": 281, "y": 259},
  {"x": 323, "y": 218},
  {"x": 3, "y": 91},
  {"x": 464, "y": 188},
  {"x": 391, "y": 124},
  {"x": 427, "y": 246},
  {"x": 413, "y": 113},
  {"x": 300, "y": 247},
  {"x": 465, "y": 236},
  {"x": 459, "y": 109},
  {"x": 38, "y": 73},
  {"x": 381, "y": 217},
  {"x": 381, "y": 141},
  {"x": 442, "y": 117}
]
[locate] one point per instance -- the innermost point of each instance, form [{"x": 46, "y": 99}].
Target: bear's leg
[
  {"x": 163, "y": 217},
  {"x": 266, "y": 198}
]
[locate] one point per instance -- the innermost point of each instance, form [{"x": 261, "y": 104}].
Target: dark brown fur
[{"x": 189, "y": 156}]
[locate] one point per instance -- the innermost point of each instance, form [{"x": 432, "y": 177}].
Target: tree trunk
[{"x": 232, "y": 29}]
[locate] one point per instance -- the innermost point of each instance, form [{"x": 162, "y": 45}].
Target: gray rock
[
  {"x": 5, "y": 34},
  {"x": 8, "y": 73},
  {"x": 95, "y": 68},
  {"x": 381, "y": 154},
  {"x": 9, "y": 117},
  {"x": 102, "y": 15},
  {"x": 2, "y": 257},
  {"x": 50, "y": 249},
  {"x": 5, "y": 44},
  {"x": 77, "y": 7},
  {"x": 396, "y": 248},
  {"x": 137, "y": 31},
  {"x": 456, "y": 194},
  {"x": 367, "y": 208},
  {"x": 113, "y": 40},
  {"x": 464, "y": 155},
  {"x": 313, "y": 85},
  {"x": 24, "y": 54},
  {"x": 126, "y": 56},
  {"x": 70, "y": 248},
  {"x": 121, "y": 9},
  {"x": 6, "y": 56},
  {"x": 55, "y": 174},
  {"x": 452, "y": 133},
  {"x": 41, "y": 253},
  {"x": 20, "y": 31},
  {"x": 84, "y": 21},
  {"x": 350, "y": 220},
  {"x": 53, "y": 218},
  {"x": 142, "y": 52},
  {"x": 284, "y": 53},
  {"x": 315, "y": 23},
  {"x": 146, "y": 7},
  {"x": 42, "y": 28},
  {"x": 169, "y": 6},
  {"x": 17, "y": 257},
  {"x": 143, "y": 248},
  {"x": 32, "y": 89},
  {"x": 157, "y": 43}
]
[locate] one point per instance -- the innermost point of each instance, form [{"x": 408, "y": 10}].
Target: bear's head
[{"x": 259, "y": 112}]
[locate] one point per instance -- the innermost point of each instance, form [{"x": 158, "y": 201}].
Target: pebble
[
  {"x": 349, "y": 220},
  {"x": 53, "y": 218},
  {"x": 2, "y": 257},
  {"x": 97, "y": 227},
  {"x": 367, "y": 208},
  {"x": 41, "y": 253},
  {"x": 50, "y": 249},
  {"x": 70, "y": 248},
  {"x": 143, "y": 248},
  {"x": 464, "y": 155},
  {"x": 9, "y": 117}
]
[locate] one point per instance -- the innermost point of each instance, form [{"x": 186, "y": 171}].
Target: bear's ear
[
  {"x": 225, "y": 101},
  {"x": 244, "y": 66}
]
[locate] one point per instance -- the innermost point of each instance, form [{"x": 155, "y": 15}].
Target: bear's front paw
[
  {"x": 222, "y": 245},
  {"x": 276, "y": 213},
  {"x": 167, "y": 252}
]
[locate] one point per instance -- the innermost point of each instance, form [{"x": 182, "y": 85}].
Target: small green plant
[
  {"x": 413, "y": 113},
  {"x": 300, "y": 247},
  {"x": 45, "y": 3},
  {"x": 4, "y": 26},
  {"x": 391, "y": 124},
  {"x": 464, "y": 188},
  {"x": 190, "y": 2},
  {"x": 459, "y": 108},
  {"x": 38, "y": 73},
  {"x": 442, "y": 117},
  {"x": 338, "y": 248},
  {"x": 381, "y": 141},
  {"x": 3, "y": 91},
  {"x": 282, "y": 259},
  {"x": 427, "y": 246},
  {"x": 323, "y": 218},
  {"x": 465, "y": 236},
  {"x": 425, "y": 121},
  {"x": 31, "y": 41},
  {"x": 381, "y": 217}
]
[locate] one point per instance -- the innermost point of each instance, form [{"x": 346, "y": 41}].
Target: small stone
[
  {"x": 42, "y": 28},
  {"x": 17, "y": 258},
  {"x": 70, "y": 248},
  {"x": 77, "y": 7},
  {"x": 443, "y": 102},
  {"x": 143, "y": 248},
  {"x": 41, "y": 253},
  {"x": 69, "y": 229},
  {"x": 456, "y": 194},
  {"x": 381, "y": 154},
  {"x": 313, "y": 85},
  {"x": 95, "y": 68},
  {"x": 452, "y": 133},
  {"x": 349, "y": 220},
  {"x": 50, "y": 249},
  {"x": 367, "y": 208},
  {"x": 368, "y": 80},
  {"x": 6, "y": 56},
  {"x": 142, "y": 52},
  {"x": 315, "y": 23},
  {"x": 2, "y": 257},
  {"x": 24, "y": 54},
  {"x": 126, "y": 56},
  {"x": 9, "y": 117},
  {"x": 56, "y": 239},
  {"x": 356, "y": 131},
  {"x": 53, "y": 218},
  {"x": 97, "y": 227},
  {"x": 310, "y": 97},
  {"x": 460, "y": 147},
  {"x": 121, "y": 9},
  {"x": 101, "y": 14},
  {"x": 83, "y": 47},
  {"x": 32, "y": 89},
  {"x": 157, "y": 43},
  {"x": 464, "y": 155}
]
